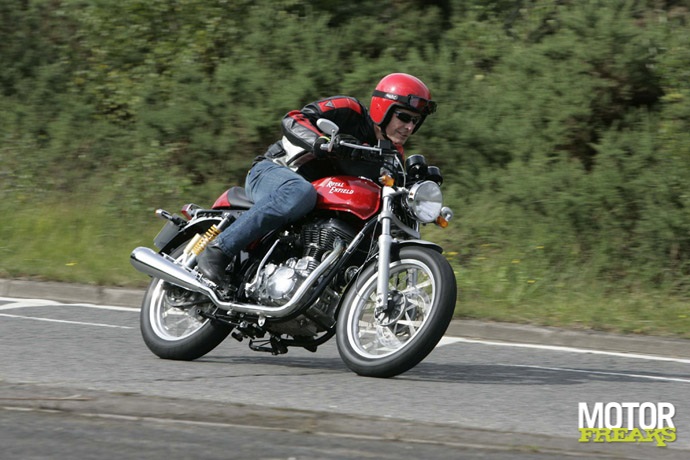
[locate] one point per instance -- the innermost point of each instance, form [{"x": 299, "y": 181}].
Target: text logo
[
  {"x": 339, "y": 187},
  {"x": 627, "y": 422}
]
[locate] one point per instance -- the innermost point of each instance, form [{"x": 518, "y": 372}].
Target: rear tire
[
  {"x": 421, "y": 304},
  {"x": 178, "y": 333}
]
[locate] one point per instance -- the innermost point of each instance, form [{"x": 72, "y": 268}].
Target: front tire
[
  {"x": 422, "y": 295},
  {"x": 171, "y": 326}
]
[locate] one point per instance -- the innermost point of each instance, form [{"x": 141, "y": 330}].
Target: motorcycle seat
[{"x": 238, "y": 198}]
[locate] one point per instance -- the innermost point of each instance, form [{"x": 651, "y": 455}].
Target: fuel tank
[{"x": 356, "y": 195}]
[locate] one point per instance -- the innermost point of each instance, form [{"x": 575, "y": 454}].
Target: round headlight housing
[{"x": 425, "y": 200}]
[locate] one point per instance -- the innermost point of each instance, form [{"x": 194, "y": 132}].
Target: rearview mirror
[{"x": 327, "y": 127}]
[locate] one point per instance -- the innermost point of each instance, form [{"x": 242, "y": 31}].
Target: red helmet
[{"x": 402, "y": 90}]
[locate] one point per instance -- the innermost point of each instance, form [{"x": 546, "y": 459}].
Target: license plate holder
[{"x": 167, "y": 233}]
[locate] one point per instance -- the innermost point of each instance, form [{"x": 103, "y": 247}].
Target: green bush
[{"x": 561, "y": 131}]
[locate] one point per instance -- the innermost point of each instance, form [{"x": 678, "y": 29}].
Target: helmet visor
[{"x": 419, "y": 104}]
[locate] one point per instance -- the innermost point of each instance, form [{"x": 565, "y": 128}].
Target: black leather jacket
[
  {"x": 300, "y": 132},
  {"x": 299, "y": 126}
]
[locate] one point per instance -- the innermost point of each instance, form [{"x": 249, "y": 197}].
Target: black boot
[{"x": 212, "y": 263}]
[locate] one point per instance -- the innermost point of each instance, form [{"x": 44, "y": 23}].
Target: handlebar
[
  {"x": 329, "y": 147},
  {"x": 384, "y": 151},
  {"x": 374, "y": 153},
  {"x": 368, "y": 148}
]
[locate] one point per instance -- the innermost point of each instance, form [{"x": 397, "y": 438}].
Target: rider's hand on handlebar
[
  {"x": 342, "y": 150},
  {"x": 321, "y": 146}
]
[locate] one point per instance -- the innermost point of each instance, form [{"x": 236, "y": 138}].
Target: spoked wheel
[
  {"x": 171, "y": 325},
  {"x": 392, "y": 340}
]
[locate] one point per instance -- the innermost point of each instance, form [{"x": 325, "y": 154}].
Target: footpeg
[{"x": 273, "y": 346}]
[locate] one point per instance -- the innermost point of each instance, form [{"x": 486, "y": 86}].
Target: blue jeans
[{"x": 280, "y": 196}]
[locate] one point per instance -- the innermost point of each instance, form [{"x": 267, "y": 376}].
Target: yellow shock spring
[{"x": 209, "y": 236}]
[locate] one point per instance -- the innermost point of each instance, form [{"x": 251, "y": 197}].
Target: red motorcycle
[{"x": 355, "y": 267}]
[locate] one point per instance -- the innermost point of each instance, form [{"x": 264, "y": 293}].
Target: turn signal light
[
  {"x": 386, "y": 180},
  {"x": 441, "y": 222}
]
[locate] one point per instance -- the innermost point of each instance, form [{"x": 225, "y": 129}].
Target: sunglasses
[{"x": 407, "y": 118}]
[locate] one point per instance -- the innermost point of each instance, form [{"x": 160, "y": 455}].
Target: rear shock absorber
[
  {"x": 199, "y": 242},
  {"x": 205, "y": 239}
]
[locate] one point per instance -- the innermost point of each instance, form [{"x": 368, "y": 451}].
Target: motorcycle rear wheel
[
  {"x": 421, "y": 304},
  {"x": 177, "y": 332}
]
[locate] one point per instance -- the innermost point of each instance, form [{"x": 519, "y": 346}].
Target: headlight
[{"x": 424, "y": 200}]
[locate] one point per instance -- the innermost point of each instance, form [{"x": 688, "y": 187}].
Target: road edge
[{"x": 155, "y": 409}]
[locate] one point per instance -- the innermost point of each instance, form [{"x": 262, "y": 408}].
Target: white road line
[
  {"x": 450, "y": 340},
  {"x": 64, "y": 321},
  {"x": 31, "y": 303},
  {"x": 25, "y": 303},
  {"x": 15, "y": 303},
  {"x": 446, "y": 340},
  {"x": 584, "y": 371}
]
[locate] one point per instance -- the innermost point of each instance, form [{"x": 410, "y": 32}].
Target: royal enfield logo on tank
[{"x": 339, "y": 187}]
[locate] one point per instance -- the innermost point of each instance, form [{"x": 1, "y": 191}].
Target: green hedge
[{"x": 563, "y": 125}]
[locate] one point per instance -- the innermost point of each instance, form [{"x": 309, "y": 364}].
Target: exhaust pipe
[{"x": 163, "y": 267}]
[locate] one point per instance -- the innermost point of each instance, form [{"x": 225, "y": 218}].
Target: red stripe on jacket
[{"x": 339, "y": 103}]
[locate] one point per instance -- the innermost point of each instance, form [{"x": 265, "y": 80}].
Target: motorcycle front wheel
[
  {"x": 171, "y": 325},
  {"x": 392, "y": 340}
]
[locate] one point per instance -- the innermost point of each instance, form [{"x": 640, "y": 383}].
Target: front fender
[
  {"x": 397, "y": 244},
  {"x": 395, "y": 247},
  {"x": 395, "y": 255}
]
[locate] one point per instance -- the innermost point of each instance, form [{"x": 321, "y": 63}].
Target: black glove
[
  {"x": 319, "y": 145},
  {"x": 343, "y": 151},
  {"x": 340, "y": 150}
]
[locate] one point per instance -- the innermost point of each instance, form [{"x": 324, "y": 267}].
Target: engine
[{"x": 278, "y": 282}]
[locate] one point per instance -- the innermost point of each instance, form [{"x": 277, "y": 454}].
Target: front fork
[{"x": 385, "y": 243}]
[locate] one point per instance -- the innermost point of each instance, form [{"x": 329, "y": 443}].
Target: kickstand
[{"x": 273, "y": 346}]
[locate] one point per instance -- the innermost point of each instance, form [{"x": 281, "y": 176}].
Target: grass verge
[{"x": 85, "y": 240}]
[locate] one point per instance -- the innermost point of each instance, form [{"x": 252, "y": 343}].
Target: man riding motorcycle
[{"x": 279, "y": 181}]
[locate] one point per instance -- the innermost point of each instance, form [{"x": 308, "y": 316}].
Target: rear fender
[{"x": 187, "y": 232}]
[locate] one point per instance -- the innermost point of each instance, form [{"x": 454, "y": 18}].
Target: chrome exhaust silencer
[{"x": 162, "y": 267}]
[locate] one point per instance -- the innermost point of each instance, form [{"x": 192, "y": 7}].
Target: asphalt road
[{"x": 76, "y": 381}]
